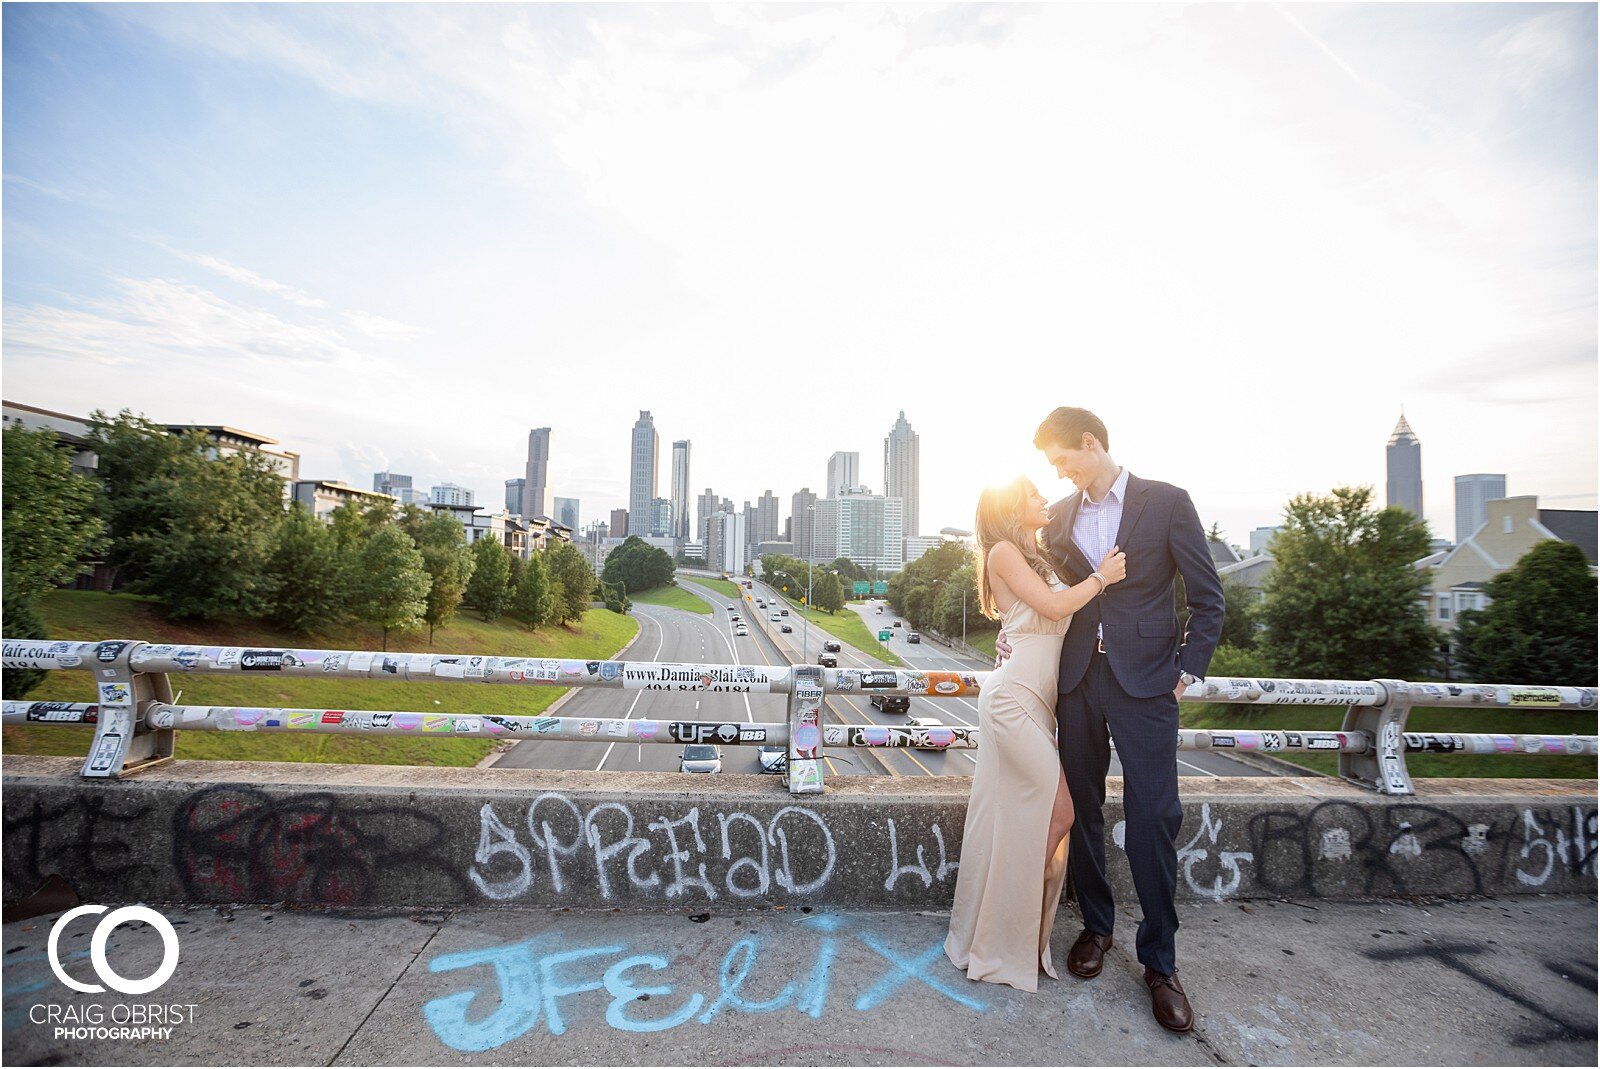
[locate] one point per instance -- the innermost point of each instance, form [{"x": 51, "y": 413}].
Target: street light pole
[{"x": 811, "y": 556}]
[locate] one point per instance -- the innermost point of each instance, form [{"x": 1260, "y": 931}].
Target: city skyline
[{"x": 1375, "y": 205}]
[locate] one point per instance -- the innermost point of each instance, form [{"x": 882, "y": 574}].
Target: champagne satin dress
[{"x": 1006, "y": 895}]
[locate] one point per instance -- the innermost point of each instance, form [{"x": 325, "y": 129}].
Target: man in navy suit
[{"x": 1123, "y": 665}]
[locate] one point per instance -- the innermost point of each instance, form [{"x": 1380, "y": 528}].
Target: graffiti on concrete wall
[
  {"x": 555, "y": 983},
  {"x": 1396, "y": 849},
  {"x": 234, "y": 844}
]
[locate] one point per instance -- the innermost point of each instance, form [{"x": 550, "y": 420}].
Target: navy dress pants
[{"x": 1146, "y": 732}]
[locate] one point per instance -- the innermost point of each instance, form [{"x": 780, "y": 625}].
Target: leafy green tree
[
  {"x": 51, "y": 520},
  {"x": 1540, "y": 627},
  {"x": 637, "y": 565},
  {"x": 1239, "y": 627},
  {"x": 848, "y": 570},
  {"x": 827, "y": 593},
  {"x": 514, "y": 575},
  {"x": 1343, "y": 599},
  {"x": 948, "y": 611},
  {"x": 567, "y": 563},
  {"x": 442, "y": 541},
  {"x": 392, "y": 583},
  {"x": 532, "y": 602},
  {"x": 352, "y": 524},
  {"x": 306, "y": 578},
  {"x": 190, "y": 529},
  {"x": 915, "y": 591},
  {"x": 21, "y": 620},
  {"x": 489, "y": 589}
]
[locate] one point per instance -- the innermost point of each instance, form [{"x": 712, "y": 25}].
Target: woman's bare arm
[{"x": 1007, "y": 564}]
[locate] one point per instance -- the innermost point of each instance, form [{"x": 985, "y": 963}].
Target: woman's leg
[{"x": 1060, "y": 827}]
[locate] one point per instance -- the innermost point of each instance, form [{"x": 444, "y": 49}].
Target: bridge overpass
[{"x": 366, "y": 914}]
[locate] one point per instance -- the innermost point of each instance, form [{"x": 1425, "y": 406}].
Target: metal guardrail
[{"x": 135, "y": 717}]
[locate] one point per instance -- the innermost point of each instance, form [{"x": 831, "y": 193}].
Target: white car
[
  {"x": 739, "y": 630},
  {"x": 696, "y": 758},
  {"x": 773, "y": 756},
  {"x": 925, "y": 722},
  {"x": 773, "y": 616}
]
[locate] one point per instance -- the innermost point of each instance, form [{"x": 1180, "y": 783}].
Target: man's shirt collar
[{"x": 1119, "y": 490}]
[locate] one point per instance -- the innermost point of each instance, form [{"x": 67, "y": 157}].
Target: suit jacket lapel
[
  {"x": 1072, "y": 556},
  {"x": 1131, "y": 508}
]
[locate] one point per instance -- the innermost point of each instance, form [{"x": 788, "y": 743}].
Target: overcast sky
[{"x": 399, "y": 237}]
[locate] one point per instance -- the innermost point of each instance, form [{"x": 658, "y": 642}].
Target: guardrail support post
[
  {"x": 1383, "y": 767},
  {"x": 805, "y": 730},
  {"x": 123, "y": 744}
]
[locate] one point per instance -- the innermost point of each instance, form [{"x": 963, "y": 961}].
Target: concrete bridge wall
[{"x": 383, "y": 837}]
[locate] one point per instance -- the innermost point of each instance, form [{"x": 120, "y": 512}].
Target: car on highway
[
  {"x": 914, "y": 638},
  {"x": 891, "y": 703},
  {"x": 831, "y": 646},
  {"x": 828, "y": 660},
  {"x": 899, "y": 623},
  {"x": 699, "y": 758},
  {"x": 880, "y": 610},
  {"x": 774, "y": 616},
  {"x": 733, "y": 609},
  {"x": 774, "y": 757},
  {"x": 739, "y": 630},
  {"x": 783, "y": 612},
  {"x": 926, "y": 722},
  {"x": 786, "y": 629}
]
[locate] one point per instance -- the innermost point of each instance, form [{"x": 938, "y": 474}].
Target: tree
[
  {"x": 948, "y": 611},
  {"x": 51, "y": 521},
  {"x": 443, "y": 544},
  {"x": 915, "y": 591},
  {"x": 1540, "y": 627},
  {"x": 392, "y": 590},
  {"x": 489, "y": 589},
  {"x": 532, "y": 602},
  {"x": 1239, "y": 628},
  {"x": 567, "y": 564},
  {"x": 848, "y": 570},
  {"x": 827, "y": 593},
  {"x": 306, "y": 574},
  {"x": 190, "y": 529},
  {"x": 1343, "y": 599},
  {"x": 21, "y": 621},
  {"x": 637, "y": 565}
]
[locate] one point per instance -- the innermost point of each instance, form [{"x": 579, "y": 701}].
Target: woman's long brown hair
[{"x": 1000, "y": 512}]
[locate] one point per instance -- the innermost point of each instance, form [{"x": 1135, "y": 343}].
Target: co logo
[{"x": 97, "y": 950}]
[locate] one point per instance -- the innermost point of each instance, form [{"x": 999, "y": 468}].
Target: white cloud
[
  {"x": 380, "y": 328},
  {"x": 150, "y": 321},
  {"x": 250, "y": 278}
]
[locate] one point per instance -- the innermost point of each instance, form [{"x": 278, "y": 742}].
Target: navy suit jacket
[{"x": 1162, "y": 536}]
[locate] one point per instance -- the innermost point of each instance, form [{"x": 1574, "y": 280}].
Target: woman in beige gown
[{"x": 1014, "y": 848}]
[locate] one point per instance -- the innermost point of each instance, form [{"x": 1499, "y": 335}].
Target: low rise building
[
  {"x": 1511, "y": 527},
  {"x": 322, "y": 496}
]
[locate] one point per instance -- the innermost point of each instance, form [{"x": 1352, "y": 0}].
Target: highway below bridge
[{"x": 674, "y": 635}]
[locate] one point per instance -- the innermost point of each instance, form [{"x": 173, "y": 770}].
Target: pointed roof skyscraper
[{"x": 1404, "y": 457}]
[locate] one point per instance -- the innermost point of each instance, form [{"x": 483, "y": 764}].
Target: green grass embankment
[
  {"x": 86, "y": 615},
  {"x": 673, "y": 598},
  {"x": 721, "y": 586}
]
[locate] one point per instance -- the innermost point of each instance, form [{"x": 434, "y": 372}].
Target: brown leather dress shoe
[
  {"x": 1088, "y": 955},
  {"x": 1168, "y": 1002}
]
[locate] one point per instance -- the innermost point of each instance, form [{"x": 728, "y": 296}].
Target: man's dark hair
[{"x": 1065, "y": 427}]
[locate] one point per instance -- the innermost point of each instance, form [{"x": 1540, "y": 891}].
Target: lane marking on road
[{"x": 629, "y": 714}]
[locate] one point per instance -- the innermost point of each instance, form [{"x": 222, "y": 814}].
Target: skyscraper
[
  {"x": 902, "y": 469},
  {"x": 514, "y": 495},
  {"x": 708, "y": 506},
  {"x": 566, "y": 512},
  {"x": 642, "y": 473},
  {"x": 662, "y": 521},
  {"x": 388, "y": 482},
  {"x": 1405, "y": 468},
  {"x": 618, "y": 527},
  {"x": 1473, "y": 494},
  {"x": 450, "y": 494},
  {"x": 750, "y": 523},
  {"x": 536, "y": 481},
  {"x": 680, "y": 491},
  {"x": 800, "y": 520},
  {"x": 766, "y": 518},
  {"x": 844, "y": 472}
]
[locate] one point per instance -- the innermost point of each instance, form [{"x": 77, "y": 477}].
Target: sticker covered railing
[{"x": 135, "y": 716}]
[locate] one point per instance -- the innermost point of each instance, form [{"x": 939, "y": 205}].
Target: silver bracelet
[{"x": 1103, "y": 583}]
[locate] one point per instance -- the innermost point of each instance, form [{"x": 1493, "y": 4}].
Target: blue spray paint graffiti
[{"x": 535, "y": 975}]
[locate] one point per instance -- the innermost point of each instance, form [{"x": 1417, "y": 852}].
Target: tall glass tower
[
  {"x": 642, "y": 474},
  {"x": 1405, "y": 468},
  {"x": 902, "y": 470}
]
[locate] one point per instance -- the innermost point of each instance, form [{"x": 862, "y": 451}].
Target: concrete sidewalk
[{"x": 1482, "y": 981}]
